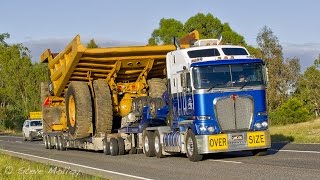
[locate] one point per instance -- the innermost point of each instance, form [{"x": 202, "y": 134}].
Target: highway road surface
[{"x": 284, "y": 161}]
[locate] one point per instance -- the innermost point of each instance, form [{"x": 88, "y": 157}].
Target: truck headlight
[
  {"x": 203, "y": 128},
  {"x": 264, "y": 124},
  {"x": 257, "y": 125},
  {"x": 211, "y": 129}
]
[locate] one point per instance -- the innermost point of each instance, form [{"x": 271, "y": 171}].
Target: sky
[{"x": 40, "y": 23}]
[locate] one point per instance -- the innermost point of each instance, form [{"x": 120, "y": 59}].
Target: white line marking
[
  {"x": 79, "y": 165},
  {"x": 11, "y": 136},
  {"x": 235, "y": 162},
  {"x": 314, "y": 152}
]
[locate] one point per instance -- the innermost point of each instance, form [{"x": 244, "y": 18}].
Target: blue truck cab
[{"x": 216, "y": 102}]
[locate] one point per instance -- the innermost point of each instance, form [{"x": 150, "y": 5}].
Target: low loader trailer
[{"x": 194, "y": 97}]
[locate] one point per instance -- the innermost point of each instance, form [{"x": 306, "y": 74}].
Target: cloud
[
  {"x": 307, "y": 53},
  {"x": 37, "y": 47}
]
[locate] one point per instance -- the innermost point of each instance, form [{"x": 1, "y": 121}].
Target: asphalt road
[{"x": 284, "y": 161}]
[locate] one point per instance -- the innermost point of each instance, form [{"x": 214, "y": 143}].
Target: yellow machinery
[{"x": 124, "y": 69}]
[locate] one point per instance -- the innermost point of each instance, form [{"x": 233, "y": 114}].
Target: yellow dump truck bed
[{"x": 77, "y": 63}]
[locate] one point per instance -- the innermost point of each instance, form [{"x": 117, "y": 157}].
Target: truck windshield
[
  {"x": 35, "y": 123},
  {"x": 222, "y": 76}
]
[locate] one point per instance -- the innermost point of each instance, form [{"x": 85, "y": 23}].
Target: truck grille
[{"x": 234, "y": 113}]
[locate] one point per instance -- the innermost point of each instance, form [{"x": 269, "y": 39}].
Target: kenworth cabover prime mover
[{"x": 196, "y": 98}]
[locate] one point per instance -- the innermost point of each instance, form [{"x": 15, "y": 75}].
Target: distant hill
[
  {"x": 306, "y": 52},
  {"x": 37, "y": 47}
]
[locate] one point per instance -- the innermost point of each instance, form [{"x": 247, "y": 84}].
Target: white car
[{"x": 32, "y": 129}]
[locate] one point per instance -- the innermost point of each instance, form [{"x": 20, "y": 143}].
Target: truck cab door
[{"x": 186, "y": 94}]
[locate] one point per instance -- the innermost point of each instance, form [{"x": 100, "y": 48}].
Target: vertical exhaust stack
[{"x": 176, "y": 43}]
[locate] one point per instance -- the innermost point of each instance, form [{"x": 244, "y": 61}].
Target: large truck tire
[
  {"x": 157, "y": 87},
  {"x": 192, "y": 147},
  {"x": 148, "y": 143},
  {"x": 44, "y": 91},
  {"x": 79, "y": 109},
  {"x": 139, "y": 103},
  {"x": 103, "y": 107},
  {"x": 50, "y": 116}
]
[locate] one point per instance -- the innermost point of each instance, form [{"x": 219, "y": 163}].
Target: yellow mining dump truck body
[{"x": 125, "y": 70}]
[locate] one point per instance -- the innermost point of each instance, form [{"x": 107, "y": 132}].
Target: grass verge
[
  {"x": 16, "y": 168},
  {"x": 307, "y": 132}
]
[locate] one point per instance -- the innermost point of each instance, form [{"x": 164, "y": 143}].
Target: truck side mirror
[
  {"x": 266, "y": 74},
  {"x": 185, "y": 81}
]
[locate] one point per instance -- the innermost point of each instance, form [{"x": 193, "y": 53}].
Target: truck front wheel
[{"x": 192, "y": 148}]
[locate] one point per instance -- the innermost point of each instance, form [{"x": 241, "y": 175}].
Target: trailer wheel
[
  {"x": 192, "y": 147},
  {"x": 158, "y": 145},
  {"x": 103, "y": 107},
  {"x": 56, "y": 140},
  {"x": 157, "y": 87},
  {"x": 45, "y": 140},
  {"x": 114, "y": 150},
  {"x": 260, "y": 152},
  {"x": 155, "y": 104},
  {"x": 106, "y": 147},
  {"x": 50, "y": 146},
  {"x": 148, "y": 143},
  {"x": 79, "y": 109},
  {"x": 61, "y": 144},
  {"x": 121, "y": 146}
]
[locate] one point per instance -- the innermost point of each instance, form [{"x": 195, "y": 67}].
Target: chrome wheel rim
[
  {"x": 190, "y": 146},
  {"x": 157, "y": 144},
  {"x": 146, "y": 143},
  {"x": 104, "y": 147},
  {"x": 60, "y": 143},
  {"x": 45, "y": 141},
  {"x": 57, "y": 145},
  {"x": 111, "y": 148}
]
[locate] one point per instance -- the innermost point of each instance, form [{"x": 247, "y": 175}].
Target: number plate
[
  {"x": 256, "y": 139},
  {"x": 218, "y": 142}
]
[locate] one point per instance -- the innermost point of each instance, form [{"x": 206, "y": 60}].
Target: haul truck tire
[
  {"x": 157, "y": 87},
  {"x": 79, "y": 109},
  {"x": 103, "y": 107},
  {"x": 140, "y": 102},
  {"x": 155, "y": 104}
]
